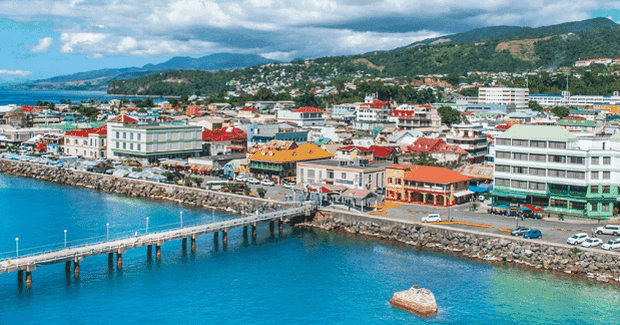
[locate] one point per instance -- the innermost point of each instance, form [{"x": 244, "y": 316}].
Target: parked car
[
  {"x": 253, "y": 180},
  {"x": 611, "y": 244},
  {"x": 532, "y": 234},
  {"x": 432, "y": 218},
  {"x": 609, "y": 230},
  {"x": 577, "y": 238},
  {"x": 267, "y": 182},
  {"x": 289, "y": 185},
  {"x": 241, "y": 179},
  {"x": 592, "y": 242},
  {"x": 519, "y": 231}
]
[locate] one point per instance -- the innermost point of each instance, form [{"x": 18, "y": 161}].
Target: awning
[
  {"x": 508, "y": 194},
  {"x": 463, "y": 193},
  {"x": 480, "y": 189}
]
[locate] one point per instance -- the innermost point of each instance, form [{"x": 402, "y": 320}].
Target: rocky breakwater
[
  {"x": 416, "y": 300},
  {"x": 600, "y": 265},
  {"x": 137, "y": 188}
]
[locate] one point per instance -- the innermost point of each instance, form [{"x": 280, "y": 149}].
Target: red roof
[
  {"x": 248, "y": 109},
  {"x": 379, "y": 151},
  {"x": 425, "y": 145},
  {"x": 123, "y": 118},
  {"x": 349, "y": 148},
  {"x": 102, "y": 130},
  {"x": 428, "y": 174},
  {"x": 223, "y": 134},
  {"x": 401, "y": 112},
  {"x": 308, "y": 109},
  {"x": 502, "y": 127},
  {"x": 41, "y": 146}
]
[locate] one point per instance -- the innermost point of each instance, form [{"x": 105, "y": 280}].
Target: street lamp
[
  {"x": 107, "y": 231},
  {"x": 147, "y": 226},
  {"x": 16, "y": 247},
  {"x": 65, "y": 238},
  {"x": 181, "y": 215}
]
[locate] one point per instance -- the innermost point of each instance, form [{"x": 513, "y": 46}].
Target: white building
[
  {"x": 409, "y": 117},
  {"x": 519, "y": 97},
  {"x": 566, "y": 99},
  {"x": 303, "y": 116},
  {"x": 354, "y": 174},
  {"x": 87, "y": 143},
  {"x": 471, "y": 138}
]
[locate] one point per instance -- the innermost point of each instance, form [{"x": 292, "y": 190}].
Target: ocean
[
  {"x": 30, "y": 97},
  {"x": 294, "y": 277}
]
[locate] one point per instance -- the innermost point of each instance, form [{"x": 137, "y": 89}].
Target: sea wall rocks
[
  {"x": 416, "y": 300},
  {"x": 136, "y": 188},
  {"x": 601, "y": 266}
]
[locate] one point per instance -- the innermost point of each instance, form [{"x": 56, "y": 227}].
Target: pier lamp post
[
  {"x": 146, "y": 231},
  {"x": 107, "y": 231},
  {"x": 65, "y": 238},
  {"x": 16, "y": 247},
  {"x": 181, "y": 216}
]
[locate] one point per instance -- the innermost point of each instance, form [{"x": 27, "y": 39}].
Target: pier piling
[
  {"x": 158, "y": 252},
  {"x": 254, "y": 230},
  {"x": 245, "y": 231},
  {"x": 216, "y": 236},
  {"x": 271, "y": 226},
  {"x": 119, "y": 259},
  {"x": 193, "y": 245},
  {"x": 76, "y": 268},
  {"x": 280, "y": 225},
  {"x": 68, "y": 267},
  {"x": 149, "y": 251},
  {"x": 28, "y": 278},
  {"x": 20, "y": 276},
  {"x": 184, "y": 243},
  {"x": 225, "y": 236},
  {"x": 110, "y": 259}
]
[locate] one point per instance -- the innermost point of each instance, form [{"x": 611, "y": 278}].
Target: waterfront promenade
[{"x": 68, "y": 255}]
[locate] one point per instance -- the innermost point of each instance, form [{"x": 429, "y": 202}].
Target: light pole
[
  {"x": 213, "y": 214},
  {"x": 16, "y": 247},
  {"x": 65, "y": 238},
  {"x": 181, "y": 215},
  {"x": 146, "y": 231},
  {"x": 107, "y": 231}
]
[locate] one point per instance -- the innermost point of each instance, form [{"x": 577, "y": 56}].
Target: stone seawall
[
  {"x": 599, "y": 265},
  {"x": 136, "y": 188}
]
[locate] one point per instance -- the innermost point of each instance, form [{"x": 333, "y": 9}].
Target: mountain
[{"x": 99, "y": 79}]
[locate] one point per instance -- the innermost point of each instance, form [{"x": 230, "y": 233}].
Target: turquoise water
[
  {"x": 30, "y": 97},
  {"x": 297, "y": 277}
]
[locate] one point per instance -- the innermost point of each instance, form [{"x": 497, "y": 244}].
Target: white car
[
  {"x": 609, "y": 230},
  {"x": 253, "y": 180},
  {"x": 289, "y": 185},
  {"x": 432, "y": 218},
  {"x": 267, "y": 182},
  {"x": 577, "y": 238},
  {"x": 592, "y": 242},
  {"x": 240, "y": 179},
  {"x": 611, "y": 244}
]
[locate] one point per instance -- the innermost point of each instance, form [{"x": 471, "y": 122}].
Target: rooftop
[
  {"x": 338, "y": 163},
  {"x": 307, "y": 151},
  {"x": 428, "y": 174},
  {"x": 538, "y": 132}
]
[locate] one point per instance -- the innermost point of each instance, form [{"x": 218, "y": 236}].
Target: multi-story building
[
  {"x": 344, "y": 112},
  {"x": 281, "y": 165},
  {"x": 550, "y": 167},
  {"x": 372, "y": 113},
  {"x": 408, "y": 117},
  {"x": 427, "y": 185},
  {"x": 10, "y": 135},
  {"x": 224, "y": 141},
  {"x": 150, "y": 142},
  {"x": 597, "y": 102},
  {"x": 519, "y": 97},
  {"x": 303, "y": 116},
  {"x": 355, "y": 174},
  {"x": 86, "y": 143},
  {"x": 469, "y": 137}
]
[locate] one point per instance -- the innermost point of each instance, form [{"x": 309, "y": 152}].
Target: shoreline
[{"x": 560, "y": 259}]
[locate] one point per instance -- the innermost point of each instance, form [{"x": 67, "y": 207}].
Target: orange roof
[
  {"x": 307, "y": 109},
  {"x": 307, "y": 151},
  {"x": 437, "y": 175},
  {"x": 102, "y": 130}
]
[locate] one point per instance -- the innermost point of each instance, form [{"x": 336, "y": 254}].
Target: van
[{"x": 608, "y": 230}]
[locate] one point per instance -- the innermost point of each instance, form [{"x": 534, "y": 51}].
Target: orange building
[
  {"x": 282, "y": 165},
  {"x": 427, "y": 185}
]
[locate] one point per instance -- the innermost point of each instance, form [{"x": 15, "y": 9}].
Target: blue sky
[{"x": 44, "y": 38}]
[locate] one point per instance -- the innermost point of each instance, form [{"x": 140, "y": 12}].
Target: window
[
  {"x": 557, "y": 159},
  {"x": 538, "y": 144},
  {"x": 605, "y": 189},
  {"x": 330, "y": 174},
  {"x": 520, "y": 156},
  {"x": 577, "y": 205},
  {"x": 576, "y": 160},
  {"x": 593, "y": 207},
  {"x": 124, "y": 145},
  {"x": 124, "y": 135},
  {"x": 155, "y": 137},
  {"x": 558, "y": 187},
  {"x": 131, "y": 136},
  {"x": 557, "y": 145},
  {"x": 594, "y": 160},
  {"x": 538, "y": 157},
  {"x": 519, "y": 184},
  {"x": 343, "y": 175},
  {"x": 538, "y": 186},
  {"x": 605, "y": 207},
  {"x": 519, "y": 170},
  {"x": 131, "y": 146},
  {"x": 138, "y": 136},
  {"x": 310, "y": 173},
  {"x": 575, "y": 175},
  {"x": 139, "y": 147},
  {"x": 502, "y": 181},
  {"x": 557, "y": 203},
  {"x": 593, "y": 175},
  {"x": 502, "y": 154},
  {"x": 594, "y": 189},
  {"x": 578, "y": 189},
  {"x": 606, "y": 175},
  {"x": 502, "y": 168},
  {"x": 503, "y": 142},
  {"x": 520, "y": 143},
  {"x": 606, "y": 160},
  {"x": 84, "y": 142},
  {"x": 537, "y": 171},
  {"x": 557, "y": 173},
  {"x": 117, "y": 134},
  {"x": 117, "y": 145}
]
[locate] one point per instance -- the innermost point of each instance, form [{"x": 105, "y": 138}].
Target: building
[
  {"x": 597, "y": 102},
  {"x": 519, "y": 97},
  {"x": 354, "y": 174},
  {"x": 280, "y": 166},
  {"x": 224, "y": 141},
  {"x": 10, "y": 135},
  {"x": 372, "y": 113},
  {"x": 12, "y": 115},
  {"x": 86, "y": 143},
  {"x": 550, "y": 167},
  {"x": 149, "y": 143},
  {"x": 469, "y": 137},
  {"x": 343, "y": 112},
  {"x": 303, "y": 116},
  {"x": 426, "y": 185},
  {"x": 409, "y": 117}
]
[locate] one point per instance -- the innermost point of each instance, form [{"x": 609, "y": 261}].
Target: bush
[
  {"x": 561, "y": 216},
  {"x": 246, "y": 191},
  {"x": 261, "y": 192},
  {"x": 136, "y": 169},
  {"x": 575, "y": 250}
]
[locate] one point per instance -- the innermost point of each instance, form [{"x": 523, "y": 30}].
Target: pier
[{"x": 26, "y": 265}]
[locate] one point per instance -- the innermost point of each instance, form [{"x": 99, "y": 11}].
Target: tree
[
  {"x": 51, "y": 106},
  {"x": 425, "y": 159},
  {"x": 142, "y": 110},
  {"x": 173, "y": 101},
  {"x": 560, "y": 111},
  {"x": 264, "y": 94},
  {"x": 449, "y": 115},
  {"x": 261, "y": 192},
  {"x": 246, "y": 190},
  {"x": 535, "y": 106}
]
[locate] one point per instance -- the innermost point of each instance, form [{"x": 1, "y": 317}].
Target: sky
[{"x": 45, "y": 38}]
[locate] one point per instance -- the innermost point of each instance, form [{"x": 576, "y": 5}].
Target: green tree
[
  {"x": 425, "y": 159},
  {"x": 51, "y": 106},
  {"x": 449, "y": 115},
  {"x": 142, "y": 110},
  {"x": 261, "y": 192},
  {"x": 560, "y": 111},
  {"x": 246, "y": 190},
  {"x": 264, "y": 94},
  {"x": 535, "y": 106}
]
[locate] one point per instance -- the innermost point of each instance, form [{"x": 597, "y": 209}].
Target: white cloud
[
  {"x": 43, "y": 46},
  {"x": 75, "y": 42},
  {"x": 20, "y": 73},
  {"x": 279, "y": 56}
]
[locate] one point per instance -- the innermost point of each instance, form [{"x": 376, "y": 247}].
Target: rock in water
[{"x": 419, "y": 301}]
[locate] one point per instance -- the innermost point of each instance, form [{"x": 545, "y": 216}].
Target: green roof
[
  {"x": 538, "y": 132},
  {"x": 615, "y": 137},
  {"x": 574, "y": 122}
]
